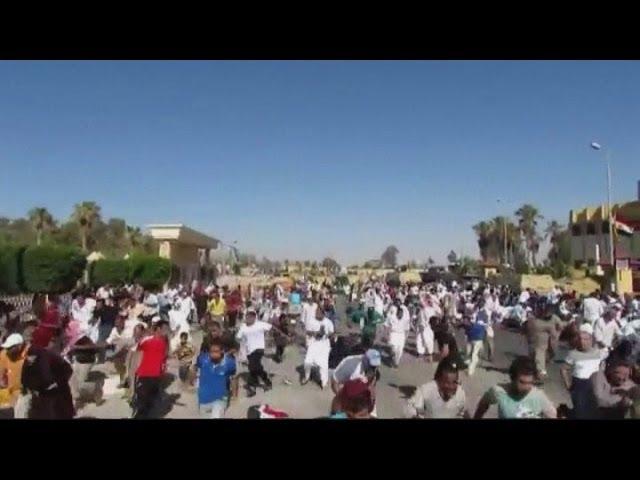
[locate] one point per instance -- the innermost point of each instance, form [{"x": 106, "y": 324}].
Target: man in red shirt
[
  {"x": 234, "y": 304},
  {"x": 149, "y": 373}
]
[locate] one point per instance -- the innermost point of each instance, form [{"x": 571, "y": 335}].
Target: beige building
[{"x": 188, "y": 249}]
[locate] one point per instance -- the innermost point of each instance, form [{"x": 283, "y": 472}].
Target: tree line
[
  {"x": 516, "y": 241},
  {"x": 85, "y": 228}
]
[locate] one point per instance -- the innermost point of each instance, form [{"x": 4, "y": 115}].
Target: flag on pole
[{"x": 622, "y": 228}]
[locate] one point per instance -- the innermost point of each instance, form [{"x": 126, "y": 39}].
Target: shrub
[
  {"x": 112, "y": 272},
  {"x": 150, "y": 271},
  {"x": 51, "y": 269},
  {"x": 10, "y": 269}
]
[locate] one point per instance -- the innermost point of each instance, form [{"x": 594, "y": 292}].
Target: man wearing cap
[
  {"x": 11, "y": 359},
  {"x": 363, "y": 367}
]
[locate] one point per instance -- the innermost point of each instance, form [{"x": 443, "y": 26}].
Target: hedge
[
  {"x": 10, "y": 269},
  {"x": 112, "y": 272},
  {"x": 52, "y": 269},
  {"x": 150, "y": 271}
]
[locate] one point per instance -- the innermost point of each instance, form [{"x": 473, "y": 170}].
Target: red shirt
[
  {"x": 154, "y": 352},
  {"x": 234, "y": 301}
]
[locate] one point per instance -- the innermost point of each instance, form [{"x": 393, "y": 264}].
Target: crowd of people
[{"x": 47, "y": 365}]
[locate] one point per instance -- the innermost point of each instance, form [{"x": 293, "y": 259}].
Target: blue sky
[{"x": 307, "y": 159}]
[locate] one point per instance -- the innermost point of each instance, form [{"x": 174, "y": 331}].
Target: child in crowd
[
  {"x": 185, "y": 353},
  {"x": 216, "y": 369}
]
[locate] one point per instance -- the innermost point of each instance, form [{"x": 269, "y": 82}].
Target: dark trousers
[
  {"x": 183, "y": 372},
  {"x": 279, "y": 353},
  {"x": 146, "y": 391},
  {"x": 582, "y": 398},
  {"x": 256, "y": 370},
  {"x": 231, "y": 319},
  {"x": 103, "y": 333}
]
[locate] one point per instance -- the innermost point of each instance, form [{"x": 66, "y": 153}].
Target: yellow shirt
[
  {"x": 218, "y": 307},
  {"x": 13, "y": 372}
]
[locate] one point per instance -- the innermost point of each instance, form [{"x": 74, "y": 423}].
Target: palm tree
[
  {"x": 41, "y": 220},
  {"x": 552, "y": 233},
  {"x": 85, "y": 214},
  {"x": 484, "y": 231},
  {"x": 528, "y": 217},
  {"x": 134, "y": 236}
]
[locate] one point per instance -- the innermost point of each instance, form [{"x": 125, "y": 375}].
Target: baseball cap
[
  {"x": 156, "y": 319},
  {"x": 13, "y": 340},
  {"x": 373, "y": 357},
  {"x": 251, "y": 310}
]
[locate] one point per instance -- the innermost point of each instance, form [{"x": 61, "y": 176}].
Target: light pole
[
  {"x": 504, "y": 223},
  {"x": 597, "y": 146}
]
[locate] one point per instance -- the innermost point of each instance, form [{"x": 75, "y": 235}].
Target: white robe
[
  {"x": 397, "y": 328},
  {"x": 424, "y": 333},
  {"x": 318, "y": 349}
]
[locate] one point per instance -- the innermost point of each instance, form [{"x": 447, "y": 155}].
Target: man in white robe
[{"x": 318, "y": 330}]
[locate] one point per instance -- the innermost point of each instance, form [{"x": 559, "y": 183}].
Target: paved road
[{"x": 309, "y": 401}]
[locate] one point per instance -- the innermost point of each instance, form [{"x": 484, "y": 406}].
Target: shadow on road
[
  {"x": 490, "y": 368},
  {"x": 407, "y": 391},
  {"x": 165, "y": 404}
]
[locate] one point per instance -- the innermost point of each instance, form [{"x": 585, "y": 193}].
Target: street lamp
[{"x": 597, "y": 146}]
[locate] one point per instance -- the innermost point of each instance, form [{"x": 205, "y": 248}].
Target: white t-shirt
[
  {"x": 314, "y": 325},
  {"x": 592, "y": 309},
  {"x": 253, "y": 335},
  {"x": 584, "y": 364},
  {"x": 308, "y": 313},
  {"x": 524, "y": 297},
  {"x": 350, "y": 368},
  {"x": 605, "y": 332},
  {"x": 397, "y": 325},
  {"x": 103, "y": 293},
  {"x": 428, "y": 403},
  {"x": 129, "y": 326}
]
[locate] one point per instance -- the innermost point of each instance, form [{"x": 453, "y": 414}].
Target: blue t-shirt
[
  {"x": 294, "y": 298},
  {"x": 213, "y": 381},
  {"x": 476, "y": 331}
]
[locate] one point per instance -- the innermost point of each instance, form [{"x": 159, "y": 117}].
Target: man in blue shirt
[{"x": 216, "y": 369}]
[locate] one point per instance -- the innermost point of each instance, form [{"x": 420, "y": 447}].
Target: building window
[
  {"x": 576, "y": 231},
  {"x": 591, "y": 228},
  {"x": 605, "y": 226}
]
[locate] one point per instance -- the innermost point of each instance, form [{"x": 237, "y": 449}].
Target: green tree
[
  {"x": 86, "y": 215},
  {"x": 331, "y": 265},
  {"x": 41, "y": 221},
  {"x": 468, "y": 266},
  {"x": 484, "y": 231},
  {"x": 390, "y": 256}
]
